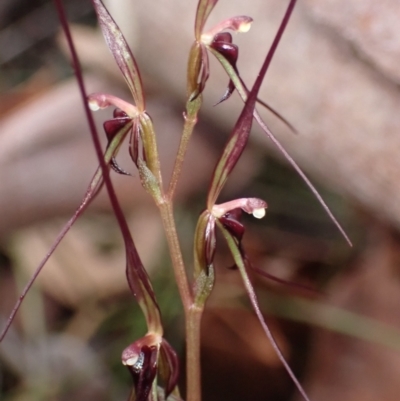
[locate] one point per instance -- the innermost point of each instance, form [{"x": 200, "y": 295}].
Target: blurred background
[{"x": 335, "y": 76}]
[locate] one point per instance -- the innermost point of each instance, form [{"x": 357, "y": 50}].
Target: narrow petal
[
  {"x": 263, "y": 273},
  {"x": 198, "y": 71},
  {"x": 204, "y": 9},
  {"x": 112, "y": 128},
  {"x": 150, "y": 150},
  {"x": 240, "y": 262},
  {"x": 117, "y": 168},
  {"x": 244, "y": 95},
  {"x": 240, "y": 134},
  {"x": 204, "y": 243},
  {"x": 93, "y": 189},
  {"x": 205, "y": 70},
  {"x": 194, "y": 69},
  {"x": 231, "y": 153},
  {"x": 168, "y": 367},
  {"x": 278, "y": 115},
  {"x": 140, "y": 285},
  {"x": 204, "y": 251},
  {"x": 231, "y": 53},
  {"x": 134, "y": 146},
  {"x": 121, "y": 52}
]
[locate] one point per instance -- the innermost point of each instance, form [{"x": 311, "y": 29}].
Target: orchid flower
[
  {"x": 143, "y": 145},
  {"x": 215, "y": 38}
]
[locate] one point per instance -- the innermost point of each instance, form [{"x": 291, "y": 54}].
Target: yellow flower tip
[
  {"x": 206, "y": 39},
  {"x": 93, "y": 105},
  {"x": 259, "y": 213},
  {"x": 130, "y": 361},
  {"x": 245, "y": 26}
]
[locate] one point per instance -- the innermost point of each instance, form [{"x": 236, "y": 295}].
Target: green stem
[
  {"x": 193, "y": 312},
  {"x": 167, "y": 216},
  {"x": 192, "y": 109},
  {"x": 193, "y": 365}
]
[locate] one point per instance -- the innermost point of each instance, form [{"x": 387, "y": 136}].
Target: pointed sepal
[
  {"x": 204, "y": 251},
  {"x": 240, "y": 260},
  {"x": 168, "y": 368},
  {"x": 141, "y": 288},
  {"x": 204, "y": 9},
  {"x": 121, "y": 52}
]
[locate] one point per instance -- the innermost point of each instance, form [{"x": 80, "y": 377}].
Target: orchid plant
[{"x": 150, "y": 359}]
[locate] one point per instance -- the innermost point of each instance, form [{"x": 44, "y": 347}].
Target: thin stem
[
  {"x": 167, "y": 216},
  {"x": 193, "y": 365},
  {"x": 192, "y": 313},
  {"x": 192, "y": 108}
]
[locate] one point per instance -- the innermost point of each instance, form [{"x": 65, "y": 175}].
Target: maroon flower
[
  {"x": 143, "y": 146},
  {"x": 215, "y": 38},
  {"x": 145, "y": 358}
]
